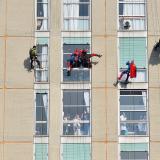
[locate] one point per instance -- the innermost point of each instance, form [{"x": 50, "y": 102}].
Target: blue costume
[{"x": 127, "y": 71}]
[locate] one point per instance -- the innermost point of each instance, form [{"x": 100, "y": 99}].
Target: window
[
  {"x": 69, "y": 45},
  {"x": 133, "y": 112},
  {"x": 132, "y": 15},
  {"x": 76, "y": 15},
  {"x": 42, "y": 51},
  {"x": 76, "y": 151},
  {"x": 136, "y": 151},
  {"x": 41, "y": 114},
  {"x": 41, "y": 151},
  {"x": 42, "y": 15},
  {"x": 134, "y": 48},
  {"x": 76, "y": 112}
]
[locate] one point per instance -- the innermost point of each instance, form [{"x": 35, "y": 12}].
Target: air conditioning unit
[{"x": 126, "y": 24}]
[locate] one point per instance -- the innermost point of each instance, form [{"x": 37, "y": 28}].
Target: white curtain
[
  {"x": 133, "y": 9},
  {"x": 76, "y": 24},
  {"x": 42, "y": 75},
  {"x": 70, "y": 1},
  {"x": 45, "y": 100},
  {"x": 44, "y": 56},
  {"x": 86, "y": 98},
  {"x": 144, "y": 98},
  {"x": 44, "y": 1},
  {"x": 44, "y": 22},
  {"x": 138, "y": 24},
  {"x": 71, "y": 11},
  {"x": 45, "y": 10}
]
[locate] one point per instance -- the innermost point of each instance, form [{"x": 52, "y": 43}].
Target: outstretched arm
[{"x": 95, "y": 55}]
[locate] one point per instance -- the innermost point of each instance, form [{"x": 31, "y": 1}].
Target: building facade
[{"x": 45, "y": 114}]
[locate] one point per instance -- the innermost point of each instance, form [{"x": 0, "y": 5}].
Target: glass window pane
[
  {"x": 75, "y": 98},
  {"x": 134, "y": 146},
  {"x": 132, "y": 100},
  {"x": 77, "y": 75},
  {"x": 76, "y": 40},
  {"x": 134, "y": 155},
  {"x": 41, "y": 151},
  {"x": 83, "y": 9},
  {"x": 84, "y": 0},
  {"x": 42, "y": 24},
  {"x": 133, "y": 115},
  {"x": 41, "y": 114},
  {"x": 41, "y": 99},
  {"x": 42, "y": 49},
  {"x": 42, "y": 1},
  {"x": 76, "y": 25},
  {"x": 134, "y": 24},
  {"x": 131, "y": 48},
  {"x": 76, "y": 129},
  {"x": 129, "y": 100},
  {"x": 42, "y": 10},
  {"x": 141, "y": 76},
  {"x": 71, "y": 10},
  {"x": 41, "y": 129},
  {"x": 42, "y": 41},
  {"x": 41, "y": 76},
  {"x": 83, "y": 25},
  {"x": 69, "y": 48},
  {"x": 133, "y": 92},
  {"x": 76, "y": 112},
  {"x": 129, "y": 9},
  {"x": 133, "y": 128},
  {"x": 76, "y": 151},
  {"x": 132, "y": 0}
]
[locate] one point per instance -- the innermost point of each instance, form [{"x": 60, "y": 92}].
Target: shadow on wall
[
  {"x": 155, "y": 56},
  {"x": 27, "y": 64}
]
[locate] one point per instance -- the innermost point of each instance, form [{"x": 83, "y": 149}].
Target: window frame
[
  {"x": 86, "y": 41},
  {"x": 78, "y": 18},
  {"x": 45, "y": 69},
  {"x": 43, "y": 92},
  {"x": 82, "y": 132},
  {"x": 140, "y": 69},
  {"x": 134, "y": 147},
  {"x": 46, "y": 144},
  {"x": 124, "y": 122},
  {"x": 69, "y": 145},
  {"x": 132, "y": 17},
  {"x": 42, "y": 18}
]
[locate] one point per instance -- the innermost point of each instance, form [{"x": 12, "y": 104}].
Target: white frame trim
[
  {"x": 147, "y": 114},
  {"x": 48, "y": 112},
  {"x": 90, "y": 112}
]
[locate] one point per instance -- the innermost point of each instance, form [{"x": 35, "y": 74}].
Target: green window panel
[
  {"x": 42, "y": 40},
  {"x": 41, "y": 151},
  {"x": 134, "y": 146},
  {"x": 76, "y": 151},
  {"x": 133, "y": 48},
  {"x": 77, "y": 40}
]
